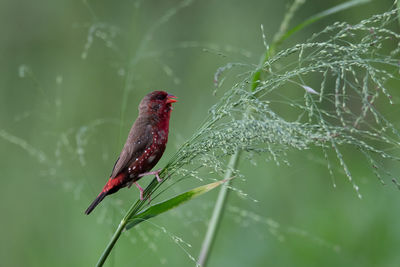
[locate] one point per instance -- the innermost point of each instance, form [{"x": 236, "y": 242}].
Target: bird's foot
[
  {"x": 140, "y": 189},
  {"x": 158, "y": 177},
  {"x": 156, "y": 173}
]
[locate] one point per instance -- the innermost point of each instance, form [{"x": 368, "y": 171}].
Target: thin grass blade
[
  {"x": 321, "y": 15},
  {"x": 398, "y": 10}
]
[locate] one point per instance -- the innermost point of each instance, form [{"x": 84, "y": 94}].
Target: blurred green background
[{"x": 71, "y": 76}]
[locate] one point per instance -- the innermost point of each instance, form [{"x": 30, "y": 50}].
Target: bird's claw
[
  {"x": 156, "y": 173},
  {"x": 158, "y": 177},
  {"x": 140, "y": 189}
]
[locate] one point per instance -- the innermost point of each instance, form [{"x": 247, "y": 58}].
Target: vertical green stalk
[
  {"x": 132, "y": 210},
  {"x": 112, "y": 242},
  {"x": 223, "y": 193},
  {"x": 398, "y": 10},
  {"x": 217, "y": 213},
  {"x": 117, "y": 234}
]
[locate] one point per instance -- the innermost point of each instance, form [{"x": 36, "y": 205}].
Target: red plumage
[{"x": 144, "y": 146}]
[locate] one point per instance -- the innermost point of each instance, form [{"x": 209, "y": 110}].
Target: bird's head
[{"x": 157, "y": 103}]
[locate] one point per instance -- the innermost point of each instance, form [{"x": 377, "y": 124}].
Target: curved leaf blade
[
  {"x": 323, "y": 14},
  {"x": 171, "y": 203}
]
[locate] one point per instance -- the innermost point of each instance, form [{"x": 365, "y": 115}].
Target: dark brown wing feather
[{"x": 140, "y": 138}]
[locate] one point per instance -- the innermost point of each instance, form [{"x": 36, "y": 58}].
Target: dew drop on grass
[
  {"x": 22, "y": 70},
  {"x": 59, "y": 79}
]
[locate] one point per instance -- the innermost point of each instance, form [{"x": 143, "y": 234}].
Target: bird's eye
[{"x": 160, "y": 97}]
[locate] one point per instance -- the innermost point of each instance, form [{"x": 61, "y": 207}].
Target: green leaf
[
  {"x": 171, "y": 203},
  {"x": 321, "y": 15}
]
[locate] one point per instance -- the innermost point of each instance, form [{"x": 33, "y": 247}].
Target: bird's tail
[
  {"x": 112, "y": 186},
  {"x": 96, "y": 202}
]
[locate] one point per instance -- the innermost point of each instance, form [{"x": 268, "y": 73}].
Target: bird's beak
[{"x": 171, "y": 99}]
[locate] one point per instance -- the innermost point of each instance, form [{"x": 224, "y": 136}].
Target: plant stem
[
  {"x": 132, "y": 210},
  {"x": 218, "y": 211},
  {"x": 112, "y": 242}
]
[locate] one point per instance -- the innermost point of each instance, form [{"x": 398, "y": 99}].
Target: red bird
[{"x": 144, "y": 147}]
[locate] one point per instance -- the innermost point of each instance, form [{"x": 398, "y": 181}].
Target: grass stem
[
  {"x": 112, "y": 242},
  {"x": 218, "y": 211}
]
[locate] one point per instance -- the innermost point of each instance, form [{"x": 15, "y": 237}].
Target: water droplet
[
  {"x": 59, "y": 79},
  {"x": 22, "y": 70},
  {"x": 121, "y": 72}
]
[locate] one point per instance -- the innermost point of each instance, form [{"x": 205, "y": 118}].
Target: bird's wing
[{"x": 138, "y": 140}]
